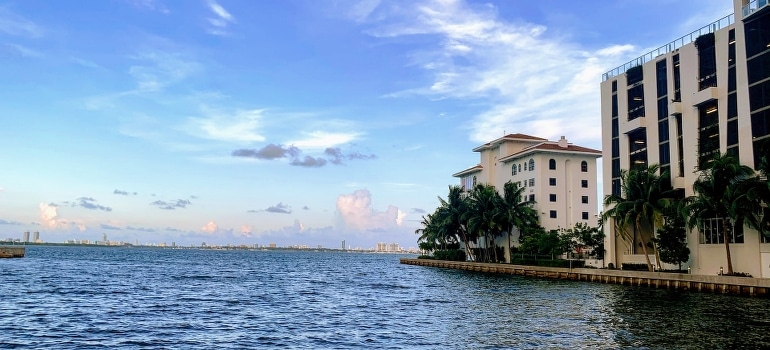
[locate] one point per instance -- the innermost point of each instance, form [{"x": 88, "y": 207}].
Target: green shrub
[
  {"x": 424, "y": 257},
  {"x": 451, "y": 255},
  {"x": 549, "y": 262}
]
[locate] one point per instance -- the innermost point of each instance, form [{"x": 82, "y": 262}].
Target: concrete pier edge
[
  {"x": 12, "y": 251},
  {"x": 746, "y": 286}
]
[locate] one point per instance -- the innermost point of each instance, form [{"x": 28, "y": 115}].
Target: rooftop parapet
[{"x": 723, "y": 22}]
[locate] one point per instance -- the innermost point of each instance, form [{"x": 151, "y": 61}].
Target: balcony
[
  {"x": 705, "y": 95},
  {"x": 754, "y": 6}
]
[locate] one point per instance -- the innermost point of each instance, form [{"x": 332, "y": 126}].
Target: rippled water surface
[{"x": 79, "y": 297}]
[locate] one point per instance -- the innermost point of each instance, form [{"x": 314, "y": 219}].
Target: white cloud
[
  {"x": 152, "y": 5},
  {"x": 211, "y": 227},
  {"x": 355, "y": 213},
  {"x": 13, "y": 24},
  {"x": 158, "y": 70},
  {"x": 23, "y": 51},
  {"x": 532, "y": 83},
  {"x": 246, "y": 230},
  {"x": 323, "y": 139},
  {"x": 221, "y": 19},
  {"x": 241, "y": 127}
]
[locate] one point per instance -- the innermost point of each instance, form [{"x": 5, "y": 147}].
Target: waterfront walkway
[
  {"x": 11, "y": 251},
  {"x": 759, "y": 287}
]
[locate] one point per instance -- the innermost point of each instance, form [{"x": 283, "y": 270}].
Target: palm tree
[
  {"x": 483, "y": 215},
  {"x": 646, "y": 199},
  {"x": 516, "y": 212},
  {"x": 720, "y": 194},
  {"x": 454, "y": 216}
]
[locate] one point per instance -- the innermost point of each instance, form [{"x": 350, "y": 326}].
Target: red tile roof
[{"x": 553, "y": 147}]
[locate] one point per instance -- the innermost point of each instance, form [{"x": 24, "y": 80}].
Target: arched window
[
  {"x": 513, "y": 169},
  {"x": 584, "y": 166},
  {"x": 474, "y": 181},
  {"x": 552, "y": 164},
  {"x": 531, "y": 164}
]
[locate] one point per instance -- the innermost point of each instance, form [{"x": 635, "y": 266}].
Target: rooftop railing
[
  {"x": 753, "y": 6},
  {"x": 723, "y": 22}
]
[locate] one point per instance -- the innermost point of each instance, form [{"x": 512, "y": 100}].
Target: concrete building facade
[
  {"x": 558, "y": 176},
  {"x": 706, "y": 92}
]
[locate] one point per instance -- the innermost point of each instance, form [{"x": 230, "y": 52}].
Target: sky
[{"x": 295, "y": 122}]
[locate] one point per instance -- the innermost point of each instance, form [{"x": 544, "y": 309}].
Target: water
[{"x": 80, "y": 298}]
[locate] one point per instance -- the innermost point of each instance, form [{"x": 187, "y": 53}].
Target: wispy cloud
[
  {"x": 6, "y": 222},
  {"x": 109, "y": 227},
  {"x": 323, "y": 139},
  {"x": 141, "y": 229},
  {"x": 157, "y": 69},
  {"x": 151, "y": 5},
  {"x": 220, "y": 20},
  {"x": 510, "y": 66},
  {"x": 16, "y": 25},
  {"x": 21, "y": 51},
  {"x": 269, "y": 152},
  {"x": 240, "y": 127}
]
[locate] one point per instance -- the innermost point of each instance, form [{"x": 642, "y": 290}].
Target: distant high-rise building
[
  {"x": 104, "y": 237},
  {"x": 343, "y": 244},
  {"x": 26, "y": 236},
  {"x": 36, "y": 237}
]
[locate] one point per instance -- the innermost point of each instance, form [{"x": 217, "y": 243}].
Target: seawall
[
  {"x": 11, "y": 251},
  {"x": 758, "y": 287}
]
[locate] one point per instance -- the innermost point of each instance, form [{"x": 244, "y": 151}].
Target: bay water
[{"x": 70, "y": 297}]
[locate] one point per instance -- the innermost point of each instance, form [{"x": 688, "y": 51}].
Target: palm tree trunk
[
  {"x": 727, "y": 247},
  {"x": 655, "y": 247},
  {"x": 510, "y": 253},
  {"x": 644, "y": 248}
]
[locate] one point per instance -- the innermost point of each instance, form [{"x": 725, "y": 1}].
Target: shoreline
[{"x": 745, "y": 286}]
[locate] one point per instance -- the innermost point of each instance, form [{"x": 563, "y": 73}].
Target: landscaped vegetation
[
  {"x": 648, "y": 213},
  {"x": 727, "y": 195},
  {"x": 471, "y": 222}
]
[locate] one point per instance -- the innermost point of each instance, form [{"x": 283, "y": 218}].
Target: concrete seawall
[
  {"x": 11, "y": 251},
  {"x": 759, "y": 287}
]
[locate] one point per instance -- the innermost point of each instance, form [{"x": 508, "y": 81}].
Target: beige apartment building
[
  {"x": 706, "y": 92},
  {"x": 559, "y": 176}
]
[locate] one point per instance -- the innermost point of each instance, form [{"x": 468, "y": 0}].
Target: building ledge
[
  {"x": 675, "y": 108},
  {"x": 677, "y": 182},
  {"x": 637, "y": 123},
  {"x": 705, "y": 95}
]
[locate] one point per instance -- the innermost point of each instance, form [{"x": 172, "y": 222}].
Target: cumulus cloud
[
  {"x": 171, "y": 205},
  {"x": 309, "y": 162},
  {"x": 90, "y": 203},
  {"x": 109, "y": 227},
  {"x": 246, "y": 230},
  {"x": 49, "y": 216},
  {"x": 211, "y": 227},
  {"x": 355, "y": 213},
  {"x": 279, "y": 208}
]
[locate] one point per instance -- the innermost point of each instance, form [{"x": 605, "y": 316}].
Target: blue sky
[{"x": 289, "y": 122}]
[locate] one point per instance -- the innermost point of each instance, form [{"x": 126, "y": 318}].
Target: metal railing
[
  {"x": 753, "y": 6},
  {"x": 723, "y": 22}
]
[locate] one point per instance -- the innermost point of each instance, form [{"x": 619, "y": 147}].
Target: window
[
  {"x": 552, "y": 164},
  {"x": 531, "y": 164},
  {"x": 553, "y": 214},
  {"x": 584, "y": 166},
  {"x": 519, "y": 167},
  {"x": 552, "y": 181},
  {"x": 513, "y": 170},
  {"x": 552, "y": 197},
  {"x": 474, "y": 181},
  {"x": 531, "y": 197},
  {"x": 584, "y": 183},
  {"x": 525, "y": 166},
  {"x": 531, "y": 182},
  {"x": 711, "y": 232},
  {"x": 584, "y": 199},
  {"x": 585, "y": 215}
]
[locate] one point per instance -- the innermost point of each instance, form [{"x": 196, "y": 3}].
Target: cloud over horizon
[{"x": 333, "y": 155}]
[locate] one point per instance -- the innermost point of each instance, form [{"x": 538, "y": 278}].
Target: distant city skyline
[{"x": 293, "y": 122}]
